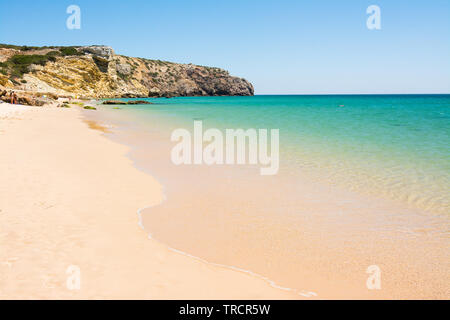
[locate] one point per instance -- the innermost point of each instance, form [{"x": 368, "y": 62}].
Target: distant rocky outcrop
[{"x": 97, "y": 72}]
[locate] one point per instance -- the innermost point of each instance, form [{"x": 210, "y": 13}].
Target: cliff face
[{"x": 96, "y": 71}]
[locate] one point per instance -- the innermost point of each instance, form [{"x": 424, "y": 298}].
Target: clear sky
[{"x": 282, "y": 47}]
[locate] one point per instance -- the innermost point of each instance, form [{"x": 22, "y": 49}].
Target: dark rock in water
[
  {"x": 114, "y": 102},
  {"x": 138, "y": 102},
  {"x": 131, "y": 102}
]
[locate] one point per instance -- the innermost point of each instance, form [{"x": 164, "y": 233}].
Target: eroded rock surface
[{"x": 97, "y": 72}]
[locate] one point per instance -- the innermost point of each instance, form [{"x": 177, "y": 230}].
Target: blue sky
[{"x": 282, "y": 47}]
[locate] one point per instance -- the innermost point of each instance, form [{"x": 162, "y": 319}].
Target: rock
[
  {"x": 154, "y": 92},
  {"x": 131, "y": 102},
  {"x": 3, "y": 80},
  {"x": 114, "y": 102},
  {"x": 26, "y": 99},
  {"x": 101, "y": 51},
  {"x": 102, "y": 74},
  {"x": 123, "y": 68},
  {"x": 35, "y": 67},
  {"x": 138, "y": 102}
]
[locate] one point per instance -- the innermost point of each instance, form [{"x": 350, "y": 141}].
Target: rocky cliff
[{"x": 97, "y": 72}]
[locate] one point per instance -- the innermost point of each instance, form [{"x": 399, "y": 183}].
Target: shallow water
[{"x": 363, "y": 180}]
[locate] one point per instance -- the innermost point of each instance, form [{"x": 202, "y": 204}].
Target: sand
[
  {"x": 9, "y": 111},
  {"x": 68, "y": 201}
]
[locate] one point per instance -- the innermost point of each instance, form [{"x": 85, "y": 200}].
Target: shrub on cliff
[
  {"x": 21, "y": 48},
  {"x": 20, "y": 59},
  {"x": 19, "y": 64},
  {"x": 70, "y": 51},
  {"x": 3, "y": 68}
]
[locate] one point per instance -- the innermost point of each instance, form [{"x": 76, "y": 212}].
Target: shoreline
[
  {"x": 69, "y": 200},
  {"x": 104, "y": 128},
  {"x": 389, "y": 254}
]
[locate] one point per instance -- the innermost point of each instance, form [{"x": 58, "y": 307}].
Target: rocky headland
[{"x": 39, "y": 73}]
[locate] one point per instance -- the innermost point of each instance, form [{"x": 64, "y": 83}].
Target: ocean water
[{"x": 358, "y": 174}]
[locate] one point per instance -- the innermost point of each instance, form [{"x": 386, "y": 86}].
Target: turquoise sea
[
  {"x": 369, "y": 171},
  {"x": 398, "y": 145}
]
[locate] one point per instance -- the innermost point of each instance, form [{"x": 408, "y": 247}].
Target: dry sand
[{"x": 69, "y": 197}]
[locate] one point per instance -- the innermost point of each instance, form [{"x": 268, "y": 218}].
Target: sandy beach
[
  {"x": 244, "y": 155},
  {"x": 70, "y": 197}
]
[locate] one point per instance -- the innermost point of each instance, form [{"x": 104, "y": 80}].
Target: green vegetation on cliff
[{"x": 18, "y": 65}]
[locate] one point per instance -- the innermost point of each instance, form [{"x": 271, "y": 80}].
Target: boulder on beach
[{"x": 27, "y": 99}]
